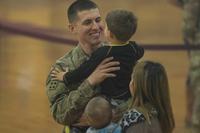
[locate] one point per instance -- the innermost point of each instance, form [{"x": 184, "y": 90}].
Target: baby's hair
[{"x": 99, "y": 112}]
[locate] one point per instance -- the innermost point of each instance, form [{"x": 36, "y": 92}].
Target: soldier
[
  {"x": 191, "y": 35},
  {"x": 67, "y": 103}
]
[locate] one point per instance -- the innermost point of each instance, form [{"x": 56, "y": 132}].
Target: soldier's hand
[
  {"x": 104, "y": 70},
  {"x": 83, "y": 121},
  {"x": 57, "y": 74}
]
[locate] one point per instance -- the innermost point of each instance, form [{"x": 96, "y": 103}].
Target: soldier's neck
[{"x": 88, "y": 49}]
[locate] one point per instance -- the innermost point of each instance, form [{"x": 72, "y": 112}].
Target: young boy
[
  {"x": 99, "y": 114},
  {"x": 120, "y": 26}
]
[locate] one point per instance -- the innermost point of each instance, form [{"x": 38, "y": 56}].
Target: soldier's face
[{"x": 88, "y": 27}]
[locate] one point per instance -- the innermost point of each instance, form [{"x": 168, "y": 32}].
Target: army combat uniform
[
  {"x": 191, "y": 34},
  {"x": 67, "y": 103}
]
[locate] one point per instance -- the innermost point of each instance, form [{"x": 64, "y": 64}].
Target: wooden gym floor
[{"x": 25, "y": 62}]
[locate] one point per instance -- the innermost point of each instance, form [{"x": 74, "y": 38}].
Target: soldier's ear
[{"x": 72, "y": 28}]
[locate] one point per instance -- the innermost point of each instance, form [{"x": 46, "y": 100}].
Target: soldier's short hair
[
  {"x": 122, "y": 24},
  {"x": 78, "y": 6},
  {"x": 98, "y": 112}
]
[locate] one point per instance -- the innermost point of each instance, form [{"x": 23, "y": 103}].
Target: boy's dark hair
[
  {"x": 77, "y": 6},
  {"x": 122, "y": 24}
]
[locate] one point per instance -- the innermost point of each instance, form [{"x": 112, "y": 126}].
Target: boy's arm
[
  {"x": 85, "y": 69},
  {"x": 138, "y": 50}
]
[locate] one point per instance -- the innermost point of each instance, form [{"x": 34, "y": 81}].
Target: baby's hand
[{"x": 57, "y": 74}]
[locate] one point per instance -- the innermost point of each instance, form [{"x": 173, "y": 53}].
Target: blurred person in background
[{"x": 191, "y": 36}]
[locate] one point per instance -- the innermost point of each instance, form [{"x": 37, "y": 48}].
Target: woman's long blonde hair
[{"x": 150, "y": 83}]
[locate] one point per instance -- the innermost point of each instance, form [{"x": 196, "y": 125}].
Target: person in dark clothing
[{"x": 120, "y": 26}]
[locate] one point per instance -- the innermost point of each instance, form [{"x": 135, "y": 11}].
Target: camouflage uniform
[
  {"x": 191, "y": 34},
  {"x": 67, "y": 103}
]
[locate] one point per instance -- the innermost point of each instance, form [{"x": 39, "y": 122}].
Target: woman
[{"x": 150, "y": 111}]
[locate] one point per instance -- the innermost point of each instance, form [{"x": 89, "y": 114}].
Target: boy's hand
[{"x": 57, "y": 74}]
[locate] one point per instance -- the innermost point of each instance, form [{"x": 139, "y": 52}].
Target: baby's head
[
  {"x": 98, "y": 112},
  {"x": 120, "y": 25}
]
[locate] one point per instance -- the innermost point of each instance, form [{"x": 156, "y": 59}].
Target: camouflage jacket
[
  {"x": 191, "y": 20},
  {"x": 67, "y": 103}
]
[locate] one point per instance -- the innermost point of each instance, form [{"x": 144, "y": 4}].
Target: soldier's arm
[{"x": 67, "y": 105}]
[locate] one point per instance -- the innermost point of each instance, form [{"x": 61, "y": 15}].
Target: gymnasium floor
[{"x": 25, "y": 62}]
